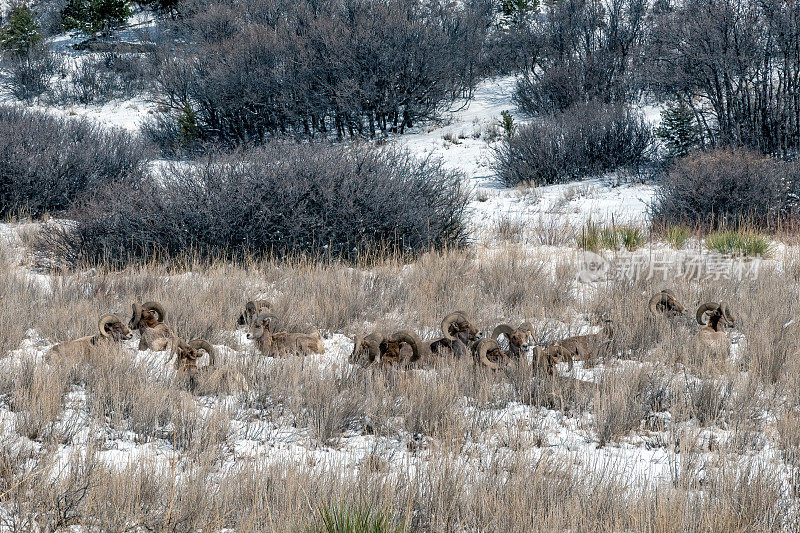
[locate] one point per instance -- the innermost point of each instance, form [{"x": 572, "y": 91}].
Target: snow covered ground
[{"x": 464, "y": 140}]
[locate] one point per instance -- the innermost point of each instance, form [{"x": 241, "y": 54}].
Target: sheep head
[
  {"x": 148, "y": 314},
  {"x": 665, "y": 303},
  {"x": 366, "y": 349},
  {"x": 552, "y": 355},
  {"x": 111, "y": 326},
  {"x": 456, "y": 325},
  {"x": 261, "y": 326},
  {"x": 391, "y": 349},
  {"x": 189, "y": 352},
  {"x": 518, "y": 339},
  {"x": 719, "y": 315},
  {"x": 481, "y": 352}
]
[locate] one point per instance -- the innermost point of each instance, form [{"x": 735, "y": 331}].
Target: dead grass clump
[{"x": 37, "y": 401}]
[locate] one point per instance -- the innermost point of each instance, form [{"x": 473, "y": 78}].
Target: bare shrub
[
  {"x": 624, "y": 399},
  {"x": 46, "y": 163},
  {"x": 125, "y": 398},
  {"x": 29, "y": 72},
  {"x": 37, "y": 401},
  {"x": 96, "y": 80},
  {"x": 16, "y": 313},
  {"x": 412, "y": 59},
  {"x": 727, "y": 188},
  {"x": 582, "y": 141},
  {"x": 282, "y": 199},
  {"x": 330, "y": 406},
  {"x": 581, "y": 51}
]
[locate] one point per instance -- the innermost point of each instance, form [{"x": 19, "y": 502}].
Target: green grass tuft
[
  {"x": 746, "y": 243},
  {"x": 590, "y": 237},
  {"x": 677, "y": 236},
  {"x": 631, "y": 237},
  {"x": 355, "y": 518},
  {"x": 594, "y": 237}
]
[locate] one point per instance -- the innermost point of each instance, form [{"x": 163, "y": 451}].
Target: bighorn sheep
[
  {"x": 712, "y": 336},
  {"x": 112, "y": 331},
  {"x": 665, "y": 303},
  {"x": 392, "y": 349},
  {"x": 377, "y": 348},
  {"x": 459, "y": 336},
  {"x": 252, "y": 309},
  {"x": 187, "y": 354},
  {"x": 548, "y": 357},
  {"x": 518, "y": 339},
  {"x": 488, "y": 353},
  {"x": 282, "y": 342},
  {"x": 148, "y": 318},
  {"x": 367, "y": 349},
  {"x": 585, "y": 347}
]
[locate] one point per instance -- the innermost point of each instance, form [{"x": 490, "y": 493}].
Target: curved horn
[
  {"x": 106, "y": 320},
  {"x": 658, "y": 298},
  {"x": 483, "y": 346},
  {"x": 155, "y": 306},
  {"x": 502, "y": 329},
  {"x": 202, "y": 344},
  {"x": 137, "y": 316},
  {"x": 264, "y": 316},
  {"x": 409, "y": 338},
  {"x": 703, "y": 309},
  {"x": 726, "y": 313},
  {"x": 449, "y": 320}
]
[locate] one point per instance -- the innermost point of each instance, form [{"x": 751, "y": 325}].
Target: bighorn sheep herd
[{"x": 403, "y": 348}]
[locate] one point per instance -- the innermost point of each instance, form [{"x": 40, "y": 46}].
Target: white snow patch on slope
[{"x": 465, "y": 139}]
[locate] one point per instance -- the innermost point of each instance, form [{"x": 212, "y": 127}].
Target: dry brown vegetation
[{"x": 451, "y": 448}]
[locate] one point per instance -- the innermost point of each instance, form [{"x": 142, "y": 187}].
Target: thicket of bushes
[
  {"x": 580, "y": 51},
  {"x": 728, "y": 188},
  {"x": 47, "y": 163},
  {"x": 586, "y": 140},
  {"x": 247, "y": 71},
  {"x": 323, "y": 200}
]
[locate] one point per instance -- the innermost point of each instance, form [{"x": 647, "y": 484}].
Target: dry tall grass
[{"x": 445, "y": 450}]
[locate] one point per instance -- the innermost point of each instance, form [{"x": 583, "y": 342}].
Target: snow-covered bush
[
  {"x": 727, "y": 187},
  {"x": 324, "y": 200},
  {"x": 584, "y": 141},
  {"x": 46, "y": 163}
]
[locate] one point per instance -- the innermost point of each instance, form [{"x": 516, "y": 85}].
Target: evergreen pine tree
[
  {"x": 678, "y": 129},
  {"x": 95, "y": 16},
  {"x": 21, "y": 32},
  {"x": 516, "y": 12},
  {"x": 187, "y": 125}
]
